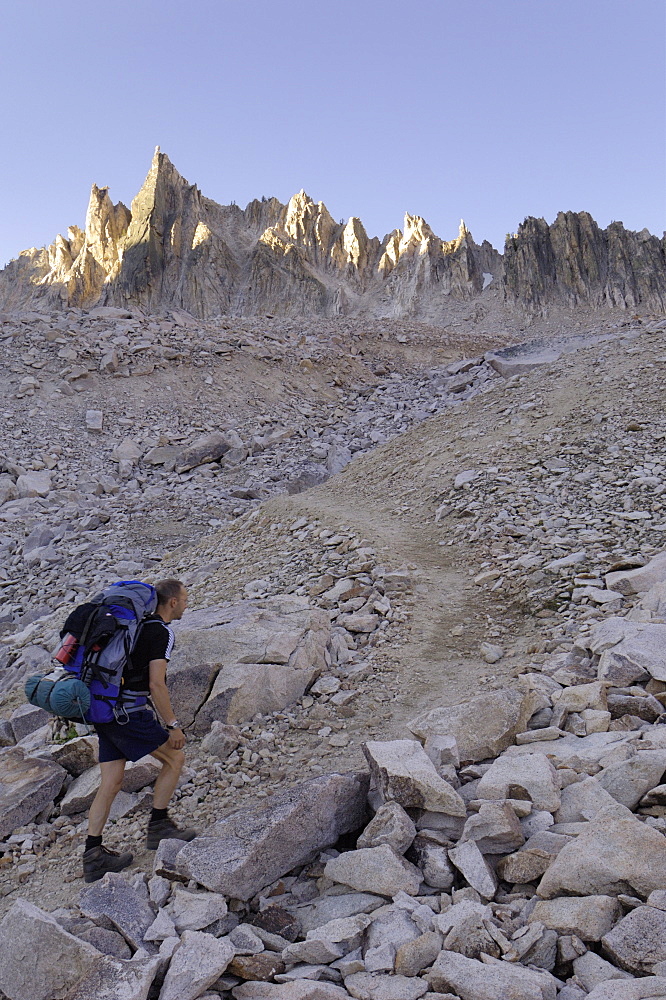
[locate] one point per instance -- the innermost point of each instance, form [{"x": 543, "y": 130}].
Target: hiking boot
[
  {"x": 164, "y": 829},
  {"x": 100, "y": 860}
]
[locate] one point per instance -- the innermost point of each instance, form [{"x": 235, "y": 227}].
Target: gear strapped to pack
[{"x": 98, "y": 640}]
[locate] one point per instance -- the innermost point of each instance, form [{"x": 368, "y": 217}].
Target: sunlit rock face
[{"x": 177, "y": 249}]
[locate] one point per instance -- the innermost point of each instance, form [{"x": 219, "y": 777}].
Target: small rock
[
  {"x": 94, "y": 420},
  {"x": 260, "y": 968},
  {"x": 245, "y": 940},
  {"x": 638, "y": 941},
  {"x": 222, "y": 740},
  {"x": 591, "y": 970},
  {"x": 197, "y": 963},
  {"x": 491, "y": 653},
  {"x": 474, "y": 868},
  {"x": 495, "y": 829},
  {"x": 34, "y": 484},
  {"x": 414, "y": 956},
  {"x": 404, "y": 772},
  {"x": 588, "y": 917},
  {"x": 26, "y": 719},
  {"x": 112, "y": 898},
  {"x": 191, "y": 911},
  {"x": 390, "y": 825},
  {"x": 161, "y": 928},
  {"x": 375, "y": 869},
  {"x": 364, "y": 986}
]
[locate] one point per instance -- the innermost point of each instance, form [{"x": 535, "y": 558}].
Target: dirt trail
[{"x": 428, "y": 666}]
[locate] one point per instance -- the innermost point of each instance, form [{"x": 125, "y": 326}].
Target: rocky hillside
[
  {"x": 423, "y": 671},
  {"x": 178, "y": 249}
]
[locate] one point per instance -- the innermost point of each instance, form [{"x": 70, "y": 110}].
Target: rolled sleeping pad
[{"x": 68, "y": 697}]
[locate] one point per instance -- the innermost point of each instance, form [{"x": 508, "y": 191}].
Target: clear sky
[{"x": 490, "y": 110}]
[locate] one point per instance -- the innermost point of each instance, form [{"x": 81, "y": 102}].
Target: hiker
[{"x": 141, "y": 735}]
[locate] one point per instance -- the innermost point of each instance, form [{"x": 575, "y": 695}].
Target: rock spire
[{"x": 177, "y": 249}]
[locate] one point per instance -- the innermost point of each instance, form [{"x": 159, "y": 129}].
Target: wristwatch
[{"x": 173, "y": 725}]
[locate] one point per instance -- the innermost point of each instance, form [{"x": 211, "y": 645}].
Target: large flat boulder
[
  {"x": 39, "y": 960},
  {"x": 579, "y": 752},
  {"x": 628, "y": 781},
  {"x": 298, "y": 989},
  {"x": 616, "y": 855},
  {"x": 253, "y": 847},
  {"x": 583, "y": 800},
  {"x": 483, "y": 727},
  {"x": 509, "y": 363},
  {"x": 255, "y": 656},
  {"x": 364, "y": 986},
  {"x": 27, "y": 785},
  {"x": 207, "y": 448}
]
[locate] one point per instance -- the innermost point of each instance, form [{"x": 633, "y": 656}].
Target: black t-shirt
[{"x": 155, "y": 642}]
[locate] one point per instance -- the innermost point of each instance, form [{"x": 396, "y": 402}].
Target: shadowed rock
[
  {"x": 27, "y": 784},
  {"x": 39, "y": 960}
]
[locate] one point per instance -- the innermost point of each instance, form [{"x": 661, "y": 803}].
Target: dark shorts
[{"x": 140, "y": 736}]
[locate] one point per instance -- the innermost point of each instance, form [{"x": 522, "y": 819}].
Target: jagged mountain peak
[{"x": 176, "y": 248}]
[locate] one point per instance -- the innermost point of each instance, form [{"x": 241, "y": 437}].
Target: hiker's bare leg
[
  {"x": 113, "y": 772},
  {"x": 172, "y": 764}
]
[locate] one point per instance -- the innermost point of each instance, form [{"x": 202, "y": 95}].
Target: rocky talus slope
[
  {"x": 176, "y": 248},
  {"x": 423, "y": 671}
]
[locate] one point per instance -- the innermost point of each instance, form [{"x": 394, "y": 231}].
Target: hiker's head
[{"x": 171, "y": 599}]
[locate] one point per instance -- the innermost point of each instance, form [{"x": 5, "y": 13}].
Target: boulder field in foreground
[{"x": 526, "y": 861}]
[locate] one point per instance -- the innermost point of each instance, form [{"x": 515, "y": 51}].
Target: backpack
[{"x": 98, "y": 639}]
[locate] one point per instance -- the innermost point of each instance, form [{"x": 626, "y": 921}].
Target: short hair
[{"x": 166, "y": 589}]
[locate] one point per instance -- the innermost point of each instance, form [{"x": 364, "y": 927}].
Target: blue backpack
[{"x": 98, "y": 640}]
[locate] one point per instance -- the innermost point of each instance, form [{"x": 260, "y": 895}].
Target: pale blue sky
[{"x": 490, "y": 110}]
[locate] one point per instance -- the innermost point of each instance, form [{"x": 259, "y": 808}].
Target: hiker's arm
[{"x": 159, "y": 694}]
